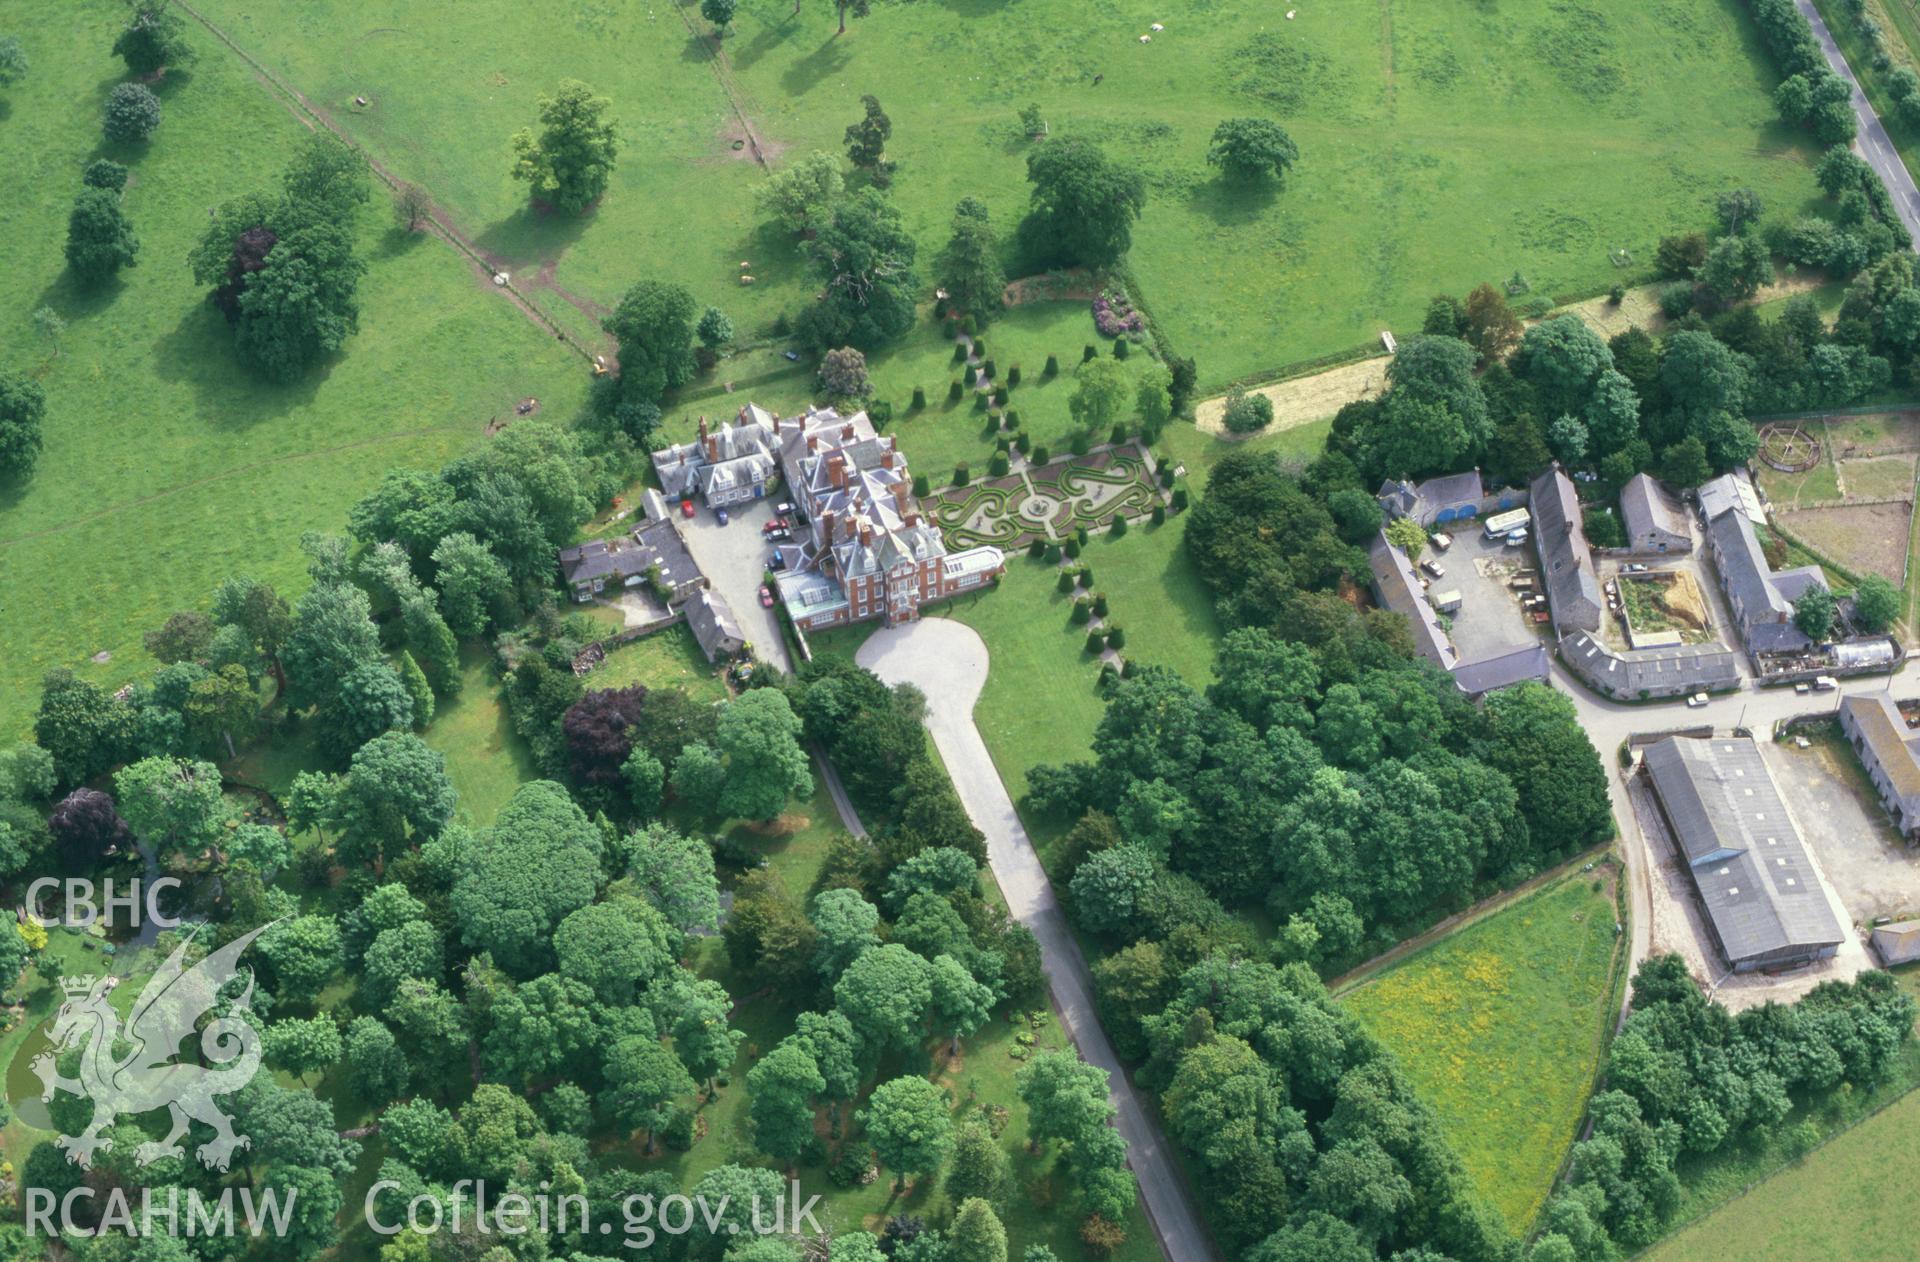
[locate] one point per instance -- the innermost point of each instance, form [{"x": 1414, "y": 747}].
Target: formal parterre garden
[{"x": 1049, "y": 503}]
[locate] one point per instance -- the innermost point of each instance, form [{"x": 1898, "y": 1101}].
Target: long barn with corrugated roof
[{"x": 1751, "y": 871}]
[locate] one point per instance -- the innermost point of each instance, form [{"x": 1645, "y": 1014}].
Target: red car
[
  {"x": 778, "y": 523},
  {"x": 766, "y": 596},
  {"x": 686, "y": 508}
]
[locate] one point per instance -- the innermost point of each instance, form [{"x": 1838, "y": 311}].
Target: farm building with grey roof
[
  {"x": 1566, "y": 562},
  {"x": 1640, "y": 674},
  {"x": 1890, "y": 751},
  {"x": 1761, "y": 599},
  {"x": 1654, "y": 520},
  {"x": 1752, "y": 873}
]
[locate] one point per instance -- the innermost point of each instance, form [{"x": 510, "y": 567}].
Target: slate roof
[
  {"x": 662, "y": 538},
  {"x": 1648, "y": 510},
  {"x": 718, "y": 461},
  {"x": 1743, "y": 566},
  {"x": 1752, "y": 870},
  {"x": 712, "y": 623},
  {"x": 1405, "y": 499},
  {"x": 1502, "y": 670},
  {"x": 1793, "y": 584},
  {"x": 619, "y": 558},
  {"x": 1894, "y": 745},
  {"x": 1453, "y": 488},
  {"x": 1566, "y": 562},
  {"x": 1660, "y": 671},
  {"x": 1398, "y": 499},
  {"x": 1729, "y": 490},
  {"x": 856, "y": 489},
  {"x": 1776, "y": 637},
  {"x": 1397, "y": 587}
]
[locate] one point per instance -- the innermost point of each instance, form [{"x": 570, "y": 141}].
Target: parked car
[
  {"x": 766, "y": 596},
  {"x": 1516, "y": 538},
  {"x": 777, "y": 561},
  {"x": 1825, "y": 683},
  {"x": 686, "y": 508},
  {"x": 1697, "y": 700},
  {"x": 1636, "y": 567},
  {"x": 1434, "y": 568},
  {"x": 1803, "y": 688},
  {"x": 778, "y": 523},
  {"x": 780, "y": 536},
  {"x": 721, "y": 514},
  {"x": 1440, "y": 541},
  {"x": 783, "y": 510}
]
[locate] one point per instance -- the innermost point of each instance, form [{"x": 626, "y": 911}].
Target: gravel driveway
[{"x": 947, "y": 661}]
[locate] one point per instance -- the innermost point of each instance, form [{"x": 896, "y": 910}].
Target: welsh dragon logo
[{"x": 131, "y": 1065}]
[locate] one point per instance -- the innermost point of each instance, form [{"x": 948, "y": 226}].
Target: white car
[
  {"x": 1697, "y": 700},
  {"x": 1434, "y": 568}
]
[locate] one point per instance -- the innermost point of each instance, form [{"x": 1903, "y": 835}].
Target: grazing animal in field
[{"x": 1097, "y": 78}]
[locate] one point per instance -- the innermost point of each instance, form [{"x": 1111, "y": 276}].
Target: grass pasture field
[
  {"x": 1440, "y": 141},
  {"x": 167, "y": 467},
  {"x": 1499, "y": 1029},
  {"x": 1839, "y": 1202},
  {"x": 1846, "y": 1199}
]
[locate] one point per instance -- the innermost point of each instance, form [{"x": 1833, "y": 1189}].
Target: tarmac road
[
  {"x": 1873, "y": 144},
  {"x": 947, "y": 661}
]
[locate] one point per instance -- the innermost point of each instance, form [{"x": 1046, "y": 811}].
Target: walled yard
[
  {"x": 1492, "y": 580},
  {"x": 1663, "y": 602},
  {"x": 1047, "y": 503}
]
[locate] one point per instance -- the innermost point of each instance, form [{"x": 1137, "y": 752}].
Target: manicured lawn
[
  {"x": 1040, "y": 704},
  {"x": 1498, "y": 1027},
  {"x": 947, "y": 433},
  {"x": 665, "y": 659},
  {"x": 168, "y": 467},
  {"x": 1443, "y": 144}
]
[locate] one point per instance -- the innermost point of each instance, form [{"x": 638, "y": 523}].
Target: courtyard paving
[{"x": 734, "y": 559}]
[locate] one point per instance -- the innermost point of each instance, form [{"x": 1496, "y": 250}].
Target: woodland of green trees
[{"x": 510, "y": 999}]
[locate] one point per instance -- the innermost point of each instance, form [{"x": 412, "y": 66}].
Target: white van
[{"x": 1825, "y": 683}]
